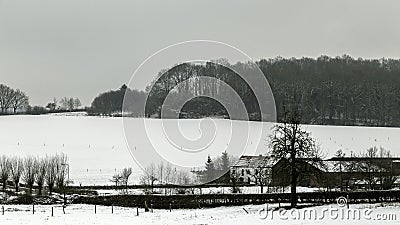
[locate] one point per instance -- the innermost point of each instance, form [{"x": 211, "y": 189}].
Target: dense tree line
[
  {"x": 49, "y": 171},
  {"x": 339, "y": 90},
  {"x": 187, "y": 76},
  {"x": 12, "y": 99},
  {"x": 111, "y": 102},
  {"x": 326, "y": 90}
]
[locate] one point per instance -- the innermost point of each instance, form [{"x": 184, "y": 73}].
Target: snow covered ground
[
  {"x": 96, "y": 146},
  {"x": 249, "y": 214},
  {"x": 210, "y": 190}
]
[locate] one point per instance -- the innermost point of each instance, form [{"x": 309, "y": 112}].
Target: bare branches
[
  {"x": 10, "y": 98},
  {"x": 17, "y": 169},
  {"x": 125, "y": 174},
  {"x": 6, "y": 97},
  {"x": 50, "y": 170},
  {"x": 5, "y": 166},
  {"x": 295, "y": 145},
  {"x": 40, "y": 175},
  {"x": 116, "y": 178},
  {"x": 51, "y": 174},
  {"x": 122, "y": 177},
  {"x": 61, "y": 169},
  {"x": 29, "y": 172},
  {"x": 20, "y": 100},
  {"x": 150, "y": 176},
  {"x": 56, "y": 171},
  {"x": 70, "y": 103}
]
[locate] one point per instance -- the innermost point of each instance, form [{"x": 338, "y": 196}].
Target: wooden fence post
[
  {"x": 2, "y": 209},
  {"x": 95, "y": 209},
  {"x": 33, "y": 209},
  {"x": 112, "y": 209},
  {"x": 52, "y": 211},
  {"x": 137, "y": 211}
]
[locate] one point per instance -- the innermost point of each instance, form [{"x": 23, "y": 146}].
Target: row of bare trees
[
  {"x": 122, "y": 177},
  {"x": 49, "y": 170},
  {"x": 64, "y": 104},
  {"x": 12, "y": 99},
  {"x": 374, "y": 168},
  {"x": 165, "y": 174}
]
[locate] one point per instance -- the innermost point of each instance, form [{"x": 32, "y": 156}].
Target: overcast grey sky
[{"x": 80, "y": 48}]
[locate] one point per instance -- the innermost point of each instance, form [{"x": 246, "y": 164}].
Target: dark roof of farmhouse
[
  {"x": 326, "y": 165},
  {"x": 363, "y": 159},
  {"x": 254, "y": 161}
]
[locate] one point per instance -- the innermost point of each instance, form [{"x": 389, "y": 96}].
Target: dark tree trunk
[
  {"x": 294, "y": 174},
  {"x": 293, "y": 195},
  {"x": 40, "y": 190},
  {"x": 234, "y": 185},
  {"x": 293, "y": 183}
]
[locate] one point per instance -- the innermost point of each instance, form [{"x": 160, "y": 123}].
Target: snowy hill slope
[{"x": 96, "y": 146}]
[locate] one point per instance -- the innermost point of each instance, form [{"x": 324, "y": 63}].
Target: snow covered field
[
  {"x": 96, "y": 146},
  {"x": 250, "y": 214}
]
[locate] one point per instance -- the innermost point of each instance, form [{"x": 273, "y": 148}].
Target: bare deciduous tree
[
  {"x": 61, "y": 169},
  {"x": 340, "y": 166},
  {"x": 6, "y": 97},
  {"x": 4, "y": 170},
  {"x": 262, "y": 176},
  {"x": 77, "y": 103},
  {"x": 70, "y": 103},
  {"x": 289, "y": 141},
  {"x": 234, "y": 178},
  {"x": 167, "y": 174},
  {"x": 40, "y": 168},
  {"x": 17, "y": 169},
  {"x": 150, "y": 176},
  {"x": 20, "y": 100},
  {"x": 125, "y": 174},
  {"x": 116, "y": 178},
  {"x": 51, "y": 174},
  {"x": 29, "y": 172}
]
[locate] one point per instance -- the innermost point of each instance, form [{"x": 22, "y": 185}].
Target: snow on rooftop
[{"x": 254, "y": 161}]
